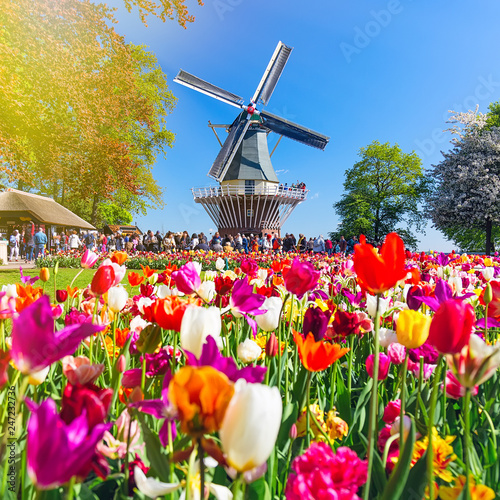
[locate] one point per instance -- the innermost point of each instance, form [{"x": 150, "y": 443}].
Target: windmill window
[{"x": 250, "y": 212}]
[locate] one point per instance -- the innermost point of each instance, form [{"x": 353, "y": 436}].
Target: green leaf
[
  {"x": 258, "y": 490},
  {"x": 417, "y": 479},
  {"x": 343, "y": 399},
  {"x": 290, "y": 415},
  {"x": 158, "y": 460},
  {"x": 397, "y": 480}
]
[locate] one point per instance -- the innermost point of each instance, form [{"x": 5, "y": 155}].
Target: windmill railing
[{"x": 280, "y": 190}]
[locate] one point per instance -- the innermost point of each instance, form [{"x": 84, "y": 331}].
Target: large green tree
[
  {"x": 465, "y": 202},
  {"x": 82, "y": 113},
  {"x": 383, "y": 193}
]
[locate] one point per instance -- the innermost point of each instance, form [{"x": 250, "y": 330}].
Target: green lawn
[{"x": 63, "y": 279}]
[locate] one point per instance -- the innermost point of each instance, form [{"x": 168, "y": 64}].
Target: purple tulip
[
  {"x": 161, "y": 409},
  {"x": 35, "y": 344},
  {"x": 244, "y": 302},
  {"x": 57, "y": 451},
  {"x": 211, "y": 356},
  {"x": 316, "y": 322},
  {"x": 187, "y": 278}
]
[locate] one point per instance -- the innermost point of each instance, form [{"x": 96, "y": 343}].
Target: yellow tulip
[
  {"x": 44, "y": 274},
  {"x": 412, "y": 328}
]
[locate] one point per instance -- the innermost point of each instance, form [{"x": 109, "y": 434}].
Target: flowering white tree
[{"x": 466, "y": 195}]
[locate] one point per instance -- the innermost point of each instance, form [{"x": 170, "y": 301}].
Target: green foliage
[
  {"x": 111, "y": 213},
  {"x": 382, "y": 191}
]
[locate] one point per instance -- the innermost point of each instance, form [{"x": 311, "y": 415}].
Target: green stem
[
  {"x": 467, "y": 439},
  {"x": 351, "y": 356},
  {"x": 420, "y": 382},
  {"x": 202, "y": 469},
  {"x": 372, "y": 429},
  {"x": 2, "y": 331},
  {"x": 403, "y": 403},
  {"x": 71, "y": 491},
  {"x": 308, "y": 417},
  {"x": 143, "y": 375},
  {"x": 333, "y": 383},
  {"x": 430, "y": 426}
]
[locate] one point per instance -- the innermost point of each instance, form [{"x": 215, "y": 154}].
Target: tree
[
  {"x": 82, "y": 113},
  {"x": 382, "y": 194},
  {"x": 465, "y": 202}
]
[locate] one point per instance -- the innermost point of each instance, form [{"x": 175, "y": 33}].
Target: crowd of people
[{"x": 29, "y": 243}]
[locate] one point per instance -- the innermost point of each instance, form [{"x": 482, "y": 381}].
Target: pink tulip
[
  {"x": 89, "y": 258},
  {"x": 383, "y": 368}
]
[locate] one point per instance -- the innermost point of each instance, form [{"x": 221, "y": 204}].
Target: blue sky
[{"x": 360, "y": 71}]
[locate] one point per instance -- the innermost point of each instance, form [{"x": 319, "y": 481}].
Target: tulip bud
[
  {"x": 488, "y": 273},
  {"x": 272, "y": 346},
  {"x": 121, "y": 364},
  {"x": 248, "y": 351},
  {"x": 103, "y": 280},
  {"x": 61, "y": 295},
  {"x": 293, "y": 432},
  {"x": 56, "y": 268},
  {"x": 117, "y": 298},
  {"x": 44, "y": 274},
  {"x": 488, "y": 294},
  {"x": 149, "y": 339},
  {"x": 384, "y": 364}
]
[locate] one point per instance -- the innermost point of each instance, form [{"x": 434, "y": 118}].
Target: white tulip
[
  {"x": 36, "y": 378},
  {"x": 220, "y": 264},
  {"x": 10, "y": 290},
  {"x": 117, "y": 298},
  {"x": 269, "y": 320},
  {"x": 207, "y": 290},
  {"x": 198, "y": 267},
  {"x": 151, "y": 487},
  {"x": 371, "y": 305},
  {"x": 138, "y": 324},
  {"x": 250, "y": 426},
  {"x": 248, "y": 351},
  {"x": 456, "y": 284},
  {"x": 209, "y": 275},
  {"x": 163, "y": 291},
  {"x": 387, "y": 337},
  {"x": 262, "y": 274},
  {"x": 143, "y": 302},
  {"x": 197, "y": 324},
  {"x": 488, "y": 273}
]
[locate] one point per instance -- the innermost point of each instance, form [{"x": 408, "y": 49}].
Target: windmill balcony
[{"x": 232, "y": 190}]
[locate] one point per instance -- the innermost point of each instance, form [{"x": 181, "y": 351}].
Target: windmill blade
[
  {"x": 294, "y": 131},
  {"x": 195, "y": 83},
  {"x": 230, "y": 146},
  {"x": 272, "y": 73}
]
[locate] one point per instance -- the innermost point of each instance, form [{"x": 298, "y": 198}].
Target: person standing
[
  {"x": 319, "y": 245},
  {"x": 14, "y": 245},
  {"x": 74, "y": 241},
  {"x": 30, "y": 246},
  {"x": 342, "y": 245},
  {"x": 40, "y": 242}
]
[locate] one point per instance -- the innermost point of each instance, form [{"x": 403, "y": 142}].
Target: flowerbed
[{"x": 266, "y": 377}]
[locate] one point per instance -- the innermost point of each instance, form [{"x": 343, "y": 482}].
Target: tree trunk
[
  {"x": 489, "y": 226},
  {"x": 94, "y": 210}
]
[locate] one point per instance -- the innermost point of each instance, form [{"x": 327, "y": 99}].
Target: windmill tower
[{"x": 249, "y": 198}]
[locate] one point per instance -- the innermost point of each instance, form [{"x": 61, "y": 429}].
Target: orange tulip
[
  {"x": 72, "y": 292},
  {"x": 168, "y": 312},
  {"x": 44, "y": 274},
  {"x": 317, "y": 356},
  {"x": 378, "y": 272},
  {"x": 26, "y": 296},
  {"x": 147, "y": 271},
  {"x": 135, "y": 279},
  {"x": 201, "y": 396},
  {"x": 119, "y": 257}
]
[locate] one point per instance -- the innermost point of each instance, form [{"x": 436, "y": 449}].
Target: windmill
[{"x": 249, "y": 198}]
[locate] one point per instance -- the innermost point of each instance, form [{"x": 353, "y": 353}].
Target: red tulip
[
  {"x": 103, "y": 280},
  {"x": 61, "y": 295},
  {"x": 378, "y": 272},
  {"x": 451, "y": 326},
  {"x": 89, "y": 398}
]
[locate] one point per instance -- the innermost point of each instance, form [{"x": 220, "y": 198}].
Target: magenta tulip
[
  {"x": 301, "y": 278},
  {"x": 35, "y": 344},
  {"x": 57, "y": 451},
  {"x": 187, "y": 278},
  {"x": 384, "y": 362}
]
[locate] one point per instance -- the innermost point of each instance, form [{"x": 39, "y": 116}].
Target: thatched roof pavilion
[{"x": 18, "y": 207}]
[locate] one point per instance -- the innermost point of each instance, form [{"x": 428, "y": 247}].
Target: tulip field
[{"x": 259, "y": 376}]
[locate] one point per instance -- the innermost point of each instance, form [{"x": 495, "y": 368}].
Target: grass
[{"x": 63, "y": 279}]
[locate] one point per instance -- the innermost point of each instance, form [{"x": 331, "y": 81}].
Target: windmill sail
[
  {"x": 294, "y": 131},
  {"x": 195, "y": 83},
  {"x": 272, "y": 73},
  {"x": 230, "y": 146}
]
